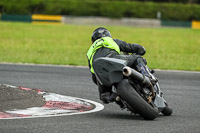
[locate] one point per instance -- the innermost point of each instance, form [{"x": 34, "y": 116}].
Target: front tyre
[{"x": 135, "y": 101}]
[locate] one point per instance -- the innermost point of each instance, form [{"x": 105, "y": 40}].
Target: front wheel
[{"x": 135, "y": 101}]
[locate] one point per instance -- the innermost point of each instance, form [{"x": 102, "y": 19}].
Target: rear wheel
[{"x": 135, "y": 101}]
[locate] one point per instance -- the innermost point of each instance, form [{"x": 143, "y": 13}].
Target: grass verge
[{"x": 167, "y": 48}]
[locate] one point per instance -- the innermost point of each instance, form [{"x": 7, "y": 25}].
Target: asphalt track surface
[{"x": 181, "y": 90}]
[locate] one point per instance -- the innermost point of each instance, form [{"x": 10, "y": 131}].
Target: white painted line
[
  {"x": 178, "y": 71},
  {"x": 47, "y": 65},
  {"x": 73, "y": 66}
]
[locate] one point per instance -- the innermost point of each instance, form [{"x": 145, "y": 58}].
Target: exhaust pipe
[{"x": 133, "y": 74}]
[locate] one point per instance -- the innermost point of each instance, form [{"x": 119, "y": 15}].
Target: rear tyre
[{"x": 135, "y": 101}]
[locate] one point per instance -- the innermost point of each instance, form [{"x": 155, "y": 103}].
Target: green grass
[{"x": 167, "y": 48}]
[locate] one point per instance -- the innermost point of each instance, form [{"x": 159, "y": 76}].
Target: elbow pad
[{"x": 141, "y": 51}]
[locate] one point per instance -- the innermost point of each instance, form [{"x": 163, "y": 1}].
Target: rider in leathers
[{"x": 104, "y": 46}]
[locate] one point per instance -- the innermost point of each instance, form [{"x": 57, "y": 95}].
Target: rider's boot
[
  {"x": 104, "y": 97},
  {"x": 108, "y": 97},
  {"x": 104, "y": 93}
]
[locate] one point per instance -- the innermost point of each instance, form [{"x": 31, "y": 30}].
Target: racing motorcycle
[{"x": 137, "y": 91}]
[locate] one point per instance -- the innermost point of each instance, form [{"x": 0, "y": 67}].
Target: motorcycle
[{"x": 137, "y": 91}]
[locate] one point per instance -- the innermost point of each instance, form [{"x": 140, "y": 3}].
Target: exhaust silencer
[{"x": 133, "y": 74}]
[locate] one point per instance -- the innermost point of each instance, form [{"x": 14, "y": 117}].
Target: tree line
[
  {"x": 104, "y": 8},
  {"x": 171, "y": 1}
]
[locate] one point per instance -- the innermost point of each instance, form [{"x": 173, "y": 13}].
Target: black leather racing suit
[{"x": 106, "y": 52}]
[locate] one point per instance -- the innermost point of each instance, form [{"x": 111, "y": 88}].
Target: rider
[{"x": 104, "y": 46}]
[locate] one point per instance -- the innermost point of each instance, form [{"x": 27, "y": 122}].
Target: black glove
[{"x": 138, "y": 49}]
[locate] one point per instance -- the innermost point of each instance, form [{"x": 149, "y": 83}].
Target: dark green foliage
[
  {"x": 105, "y": 8},
  {"x": 21, "y": 18},
  {"x": 176, "y": 23}
]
